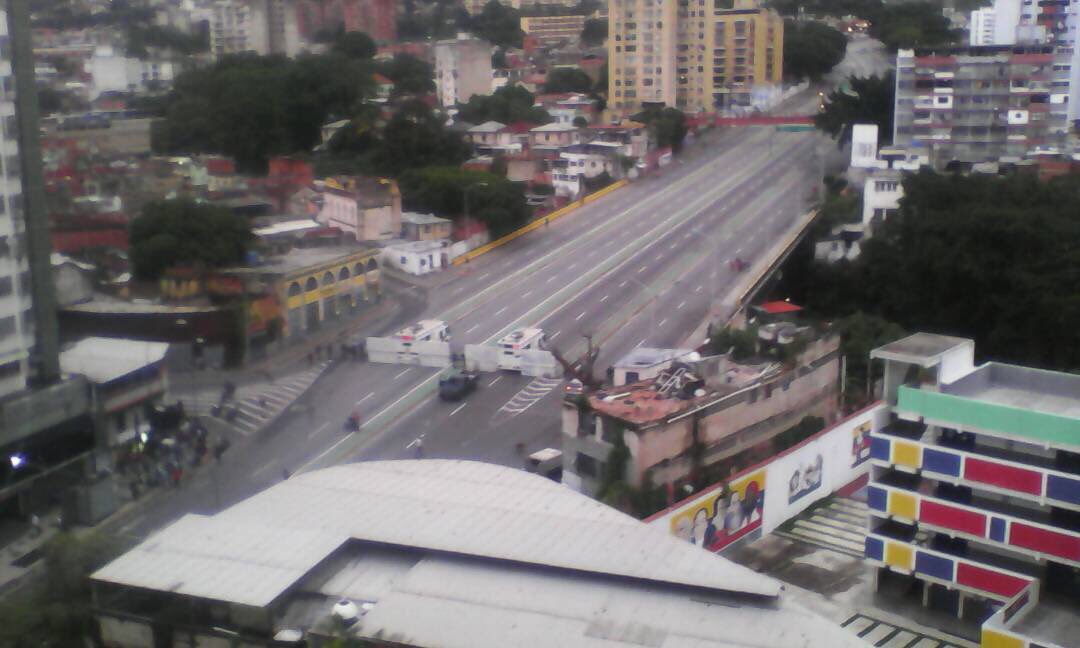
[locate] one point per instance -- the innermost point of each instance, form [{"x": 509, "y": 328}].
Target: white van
[
  {"x": 423, "y": 331},
  {"x": 511, "y": 346}
]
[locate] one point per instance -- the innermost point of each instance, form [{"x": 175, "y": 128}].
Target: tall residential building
[
  {"x": 673, "y": 53},
  {"x": 553, "y": 29},
  {"x": 259, "y": 26},
  {"x": 979, "y": 104},
  {"x": 376, "y": 18},
  {"x": 462, "y": 69},
  {"x": 995, "y": 25},
  {"x": 975, "y": 489},
  {"x": 27, "y": 302}
]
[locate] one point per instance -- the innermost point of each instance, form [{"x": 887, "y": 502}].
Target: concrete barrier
[
  {"x": 536, "y": 224},
  {"x": 392, "y": 351}
]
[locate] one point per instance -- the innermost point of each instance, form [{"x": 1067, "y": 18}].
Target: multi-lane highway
[{"x": 642, "y": 265}]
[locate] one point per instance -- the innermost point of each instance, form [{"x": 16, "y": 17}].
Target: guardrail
[{"x": 538, "y": 223}]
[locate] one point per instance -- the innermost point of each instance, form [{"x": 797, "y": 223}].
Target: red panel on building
[
  {"x": 950, "y": 517},
  {"x": 1017, "y": 479},
  {"x": 1051, "y": 543},
  {"x": 989, "y": 581}
]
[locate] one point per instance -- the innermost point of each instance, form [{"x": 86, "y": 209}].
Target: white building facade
[
  {"x": 462, "y": 69},
  {"x": 259, "y": 26},
  {"x": 16, "y": 337}
]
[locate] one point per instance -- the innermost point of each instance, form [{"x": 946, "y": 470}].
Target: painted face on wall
[{"x": 701, "y": 523}]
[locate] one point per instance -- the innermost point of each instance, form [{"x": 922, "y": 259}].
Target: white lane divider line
[
  {"x": 681, "y": 304},
  {"x": 698, "y": 289},
  {"x": 492, "y": 383},
  {"x": 499, "y": 312},
  {"x": 472, "y": 328},
  {"x": 403, "y": 373},
  {"x": 642, "y": 269},
  {"x": 578, "y": 318},
  {"x": 622, "y": 285},
  {"x": 603, "y": 299},
  {"x": 525, "y": 295},
  {"x": 551, "y": 278},
  {"x": 459, "y": 408},
  {"x": 662, "y": 322},
  {"x": 553, "y": 335},
  {"x": 365, "y": 398}
]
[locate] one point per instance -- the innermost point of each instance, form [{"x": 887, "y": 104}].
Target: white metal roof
[
  {"x": 103, "y": 359},
  {"x": 451, "y": 603},
  {"x": 488, "y": 127},
  {"x": 286, "y": 227},
  {"x": 554, "y": 127},
  {"x": 255, "y": 550}
]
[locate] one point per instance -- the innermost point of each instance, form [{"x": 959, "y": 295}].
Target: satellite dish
[
  {"x": 699, "y": 393},
  {"x": 289, "y": 635},
  {"x": 346, "y": 610}
]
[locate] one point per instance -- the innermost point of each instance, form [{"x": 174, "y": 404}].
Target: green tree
[
  {"x": 493, "y": 200},
  {"x": 666, "y": 125},
  {"x": 507, "y": 105},
  {"x": 498, "y": 24},
  {"x": 910, "y": 24},
  {"x": 869, "y": 101},
  {"x": 567, "y": 79},
  {"x": 595, "y": 32},
  {"x": 742, "y": 343},
  {"x": 410, "y": 75},
  {"x": 860, "y": 334},
  {"x": 415, "y": 137},
  {"x": 811, "y": 49},
  {"x": 180, "y": 232},
  {"x": 354, "y": 45}
]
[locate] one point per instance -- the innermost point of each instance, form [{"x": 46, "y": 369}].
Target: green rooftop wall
[{"x": 968, "y": 413}]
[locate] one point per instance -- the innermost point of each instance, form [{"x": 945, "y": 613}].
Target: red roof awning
[{"x": 779, "y": 307}]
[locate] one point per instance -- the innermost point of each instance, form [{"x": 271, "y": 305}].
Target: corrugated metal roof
[
  {"x": 452, "y": 603},
  {"x": 215, "y": 558},
  {"x": 257, "y": 549},
  {"x": 104, "y": 359}
]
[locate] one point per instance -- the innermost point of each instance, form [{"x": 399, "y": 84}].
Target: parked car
[{"x": 457, "y": 385}]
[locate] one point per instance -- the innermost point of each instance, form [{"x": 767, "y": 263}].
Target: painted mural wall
[{"x": 763, "y": 497}]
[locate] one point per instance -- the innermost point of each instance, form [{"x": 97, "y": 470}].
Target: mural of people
[
  {"x": 805, "y": 479},
  {"x": 860, "y": 444},
  {"x": 722, "y": 516}
]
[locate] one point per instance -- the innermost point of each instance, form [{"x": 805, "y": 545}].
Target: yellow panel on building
[
  {"x": 994, "y": 639},
  {"x": 899, "y": 556},
  {"x": 903, "y": 505},
  {"x": 906, "y": 454},
  {"x": 296, "y": 301}
]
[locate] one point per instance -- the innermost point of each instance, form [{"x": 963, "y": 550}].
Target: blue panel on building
[
  {"x": 879, "y": 448},
  {"x": 1063, "y": 488},
  {"x": 943, "y": 463},
  {"x": 877, "y": 498},
  {"x": 935, "y": 566},
  {"x": 997, "y": 529},
  {"x": 875, "y": 549}
]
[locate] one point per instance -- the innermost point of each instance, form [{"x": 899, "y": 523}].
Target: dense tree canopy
[
  {"x": 507, "y": 105},
  {"x": 410, "y": 75},
  {"x": 867, "y": 101},
  {"x": 811, "y": 49},
  {"x": 423, "y": 19},
  {"x": 498, "y": 24},
  {"x": 414, "y": 137},
  {"x": 995, "y": 259},
  {"x": 254, "y": 107},
  {"x": 595, "y": 32},
  {"x": 354, "y": 45},
  {"x": 567, "y": 79},
  {"x": 492, "y": 199},
  {"x": 666, "y": 125},
  {"x": 182, "y": 232},
  {"x": 897, "y": 24}
]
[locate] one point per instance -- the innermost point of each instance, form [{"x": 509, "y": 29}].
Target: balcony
[
  {"x": 993, "y": 469},
  {"x": 992, "y": 522}
]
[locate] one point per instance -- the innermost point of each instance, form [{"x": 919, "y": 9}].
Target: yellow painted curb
[{"x": 538, "y": 223}]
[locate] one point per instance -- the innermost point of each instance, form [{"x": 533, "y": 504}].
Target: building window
[
  {"x": 7, "y": 326},
  {"x": 8, "y": 370},
  {"x": 6, "y": 286}
]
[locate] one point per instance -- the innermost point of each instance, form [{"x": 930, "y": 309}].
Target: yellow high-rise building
[{"x": 691, "y": 54}]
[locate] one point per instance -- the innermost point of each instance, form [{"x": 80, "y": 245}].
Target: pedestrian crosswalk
[
  {"x": 529, "y": 396},
  {"x": 255, "y": 405},
  {"x": 885, "y": 635}
]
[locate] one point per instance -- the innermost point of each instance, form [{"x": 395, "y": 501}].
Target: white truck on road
[{"x": 511, "y": 346}]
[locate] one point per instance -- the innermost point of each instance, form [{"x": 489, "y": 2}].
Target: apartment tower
[{"x": 691, "y": 55}]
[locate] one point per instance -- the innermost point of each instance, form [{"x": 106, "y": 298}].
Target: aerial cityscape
[{"x": 487, "y": 323}]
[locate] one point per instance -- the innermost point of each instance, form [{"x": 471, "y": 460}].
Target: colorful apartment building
[
  {"x": 982, "y": 104},
  {"x": 549, "y": 30},
  {"x": 975, "y": 489},
  {"x": 689, "y": 57}
]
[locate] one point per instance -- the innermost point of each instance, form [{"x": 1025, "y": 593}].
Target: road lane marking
[
  {"x": 622, "y": 285},
  {"x": 483, "y": 276},
  {"x": 579, "y": 316},
  {"x": 403, "y": 373},
  {"x": 553, "y": 335},
  {"x": 459, "y": 408},
  {"x": 681, "y": 304},
  {"x": 499, "y": 312},
  {"x": 603, "y": 299},
  {"x": 263, "y": 469},
  {"x": 673, "y": 245},
  {"x": 365, "y": 398},
  {"x": 551, "y": 278},
  {"x": 492, "y": 383},
  {"x": 471, "y": 329},
  {"x": 662, "y": 322},
  {"x": 698, "y": 289},
  {"x": 641, "y": 343},
  {"x": 571, "y": 266},
  {"x": 526, "y": 294},
  {"x": 642, "y": 269},
  {"x": 318, "y": 429}
]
